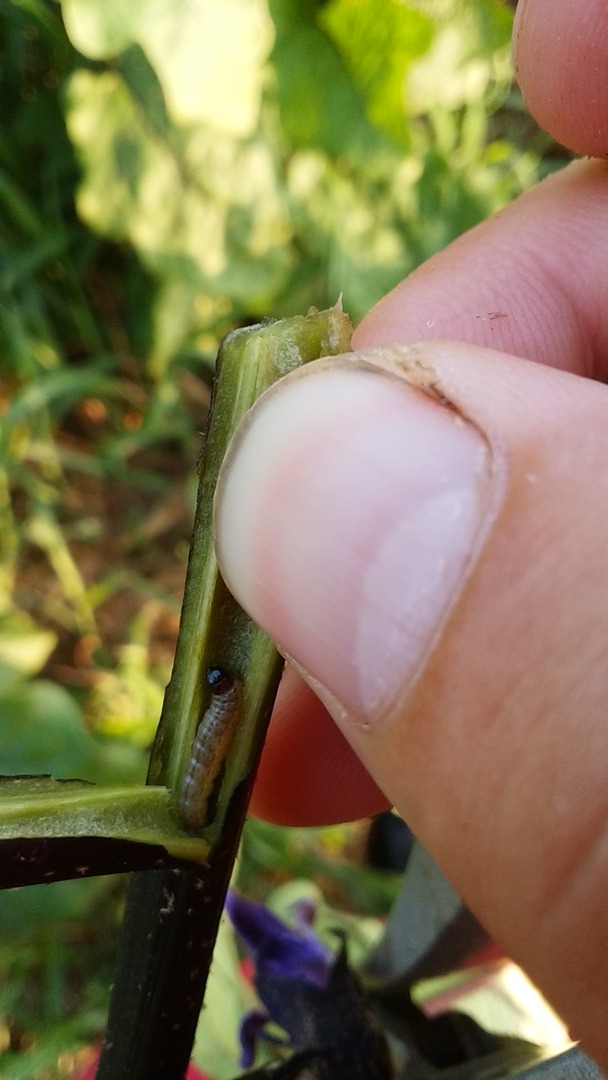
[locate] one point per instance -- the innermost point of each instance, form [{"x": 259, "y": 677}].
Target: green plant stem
[
  {"x": 214, "y": 631},
  {"x": 171, "y": 922},
  {"x": 172, "y": 916}
]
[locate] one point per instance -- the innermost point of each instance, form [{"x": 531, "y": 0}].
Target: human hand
[{"x": 435, "y": 564}]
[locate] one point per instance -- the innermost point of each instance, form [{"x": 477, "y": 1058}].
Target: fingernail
[{"x": 346, "y": 516}]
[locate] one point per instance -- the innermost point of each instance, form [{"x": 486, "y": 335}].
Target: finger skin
[
  {"x": 307, "y": 763},
  {"x": 496, "y": 757},
  {"x": 532, "y": 280},
  {"x": 560, "y": 53},
  {"x": 556, "y": 313},
  {"x": 495, "y": 753}
]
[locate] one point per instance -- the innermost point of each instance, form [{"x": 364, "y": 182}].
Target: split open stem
[{"x": 172, "y": 915}]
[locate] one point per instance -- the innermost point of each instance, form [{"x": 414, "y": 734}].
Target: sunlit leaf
[
  {"x": 378, "y": 52},
  {"x": 468, "y": 57},
  {"x": 208, "y": 54},
  {"x": 320, "y": 106},
  {"x": 24, "y": 648},
  {"x": 199, "y": 207}
]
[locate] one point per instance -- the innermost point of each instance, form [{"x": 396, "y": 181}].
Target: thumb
[{"x": 422, "y": 530}]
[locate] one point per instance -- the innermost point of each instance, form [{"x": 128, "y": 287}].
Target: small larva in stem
[{"x": 209, "y": 749}]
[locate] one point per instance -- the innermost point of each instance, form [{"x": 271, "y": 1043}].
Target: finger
[
  {"x": 560, "y": 51},
  {"x": 308, "y": 773},
  {"x": 532, "y": 280},
  {"x": 439, "y": 573}
]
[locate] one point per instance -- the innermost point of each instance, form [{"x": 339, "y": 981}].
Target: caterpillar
[{"x": 209, "y": 748}]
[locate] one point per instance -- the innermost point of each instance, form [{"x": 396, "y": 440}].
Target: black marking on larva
[{"x": 209, "y": 749}]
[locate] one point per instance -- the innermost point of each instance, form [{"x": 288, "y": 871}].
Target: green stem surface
[{"x": 172, "y": 915}]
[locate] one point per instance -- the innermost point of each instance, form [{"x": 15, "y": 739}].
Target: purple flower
[
  {"x": 309, "y": 992},
  {"x": 277, "y": 949}
]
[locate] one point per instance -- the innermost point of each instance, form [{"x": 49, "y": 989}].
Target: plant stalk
[{"x": 172, "y": 916}]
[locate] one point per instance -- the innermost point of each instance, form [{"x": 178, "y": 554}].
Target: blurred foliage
[
  {"x": 170, "y": 169},
  {"x": 275, "y": 155}
]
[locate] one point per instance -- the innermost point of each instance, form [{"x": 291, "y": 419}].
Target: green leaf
[
  {"x": 41, "y": 731},
  {"x": 102, "y": 30},
  {"x": 200, "y": 208},
  {"x": 208, "y": 55},
  {"x": 468, "y": 58},
  {"x": 378, "y": 52},
  {"x": 24, "y": 648},
  {"x": 320, "y": 106},
  {"x": 42, "y": 808}
]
